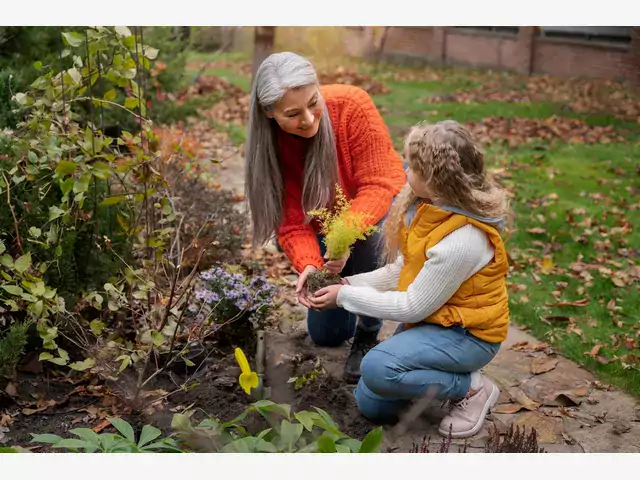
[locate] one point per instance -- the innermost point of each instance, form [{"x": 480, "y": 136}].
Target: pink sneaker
[{"x": 467, "y": 415}]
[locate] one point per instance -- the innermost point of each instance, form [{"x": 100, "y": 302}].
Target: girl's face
[
  {"x": 418, "y": 185},
  {"x": 299, "y": 111}
]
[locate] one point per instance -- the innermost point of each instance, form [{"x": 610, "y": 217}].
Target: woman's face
[{"x": 299, "y": 111}]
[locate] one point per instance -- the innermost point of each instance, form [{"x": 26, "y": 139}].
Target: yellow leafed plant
[{"x": 341, "y": 229}]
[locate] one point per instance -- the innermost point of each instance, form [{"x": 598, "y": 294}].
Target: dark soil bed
[{"x": 43, "y": 403}]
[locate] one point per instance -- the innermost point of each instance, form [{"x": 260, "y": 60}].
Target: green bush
[{"x": 12, "y": 344}]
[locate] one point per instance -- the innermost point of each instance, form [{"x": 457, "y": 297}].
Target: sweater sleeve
[
  {"x": 377, "y": 168},
  {"x": 297, "y": 238},
  {"x": 452, "y": 261},
  {"x": 383, "y": 279}
]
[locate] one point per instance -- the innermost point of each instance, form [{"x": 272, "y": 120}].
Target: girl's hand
[
  {"x": 301, "y": 286},
  {"x": 336, "y": 266},
  {"x": 326, "y": 298}
]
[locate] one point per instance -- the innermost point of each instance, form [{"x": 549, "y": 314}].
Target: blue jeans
[
  {"x": 426, "y": 357},
  {"x": 331, "y": 328}
]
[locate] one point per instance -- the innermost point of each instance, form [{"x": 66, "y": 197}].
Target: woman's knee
[
  {"x": 380, "y": 372},
  {"x": 331, "y": 328}
]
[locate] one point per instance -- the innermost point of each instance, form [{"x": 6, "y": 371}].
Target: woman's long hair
[
  {"x": 451, "y": 163},
  {"x": 276, "y": 75}
]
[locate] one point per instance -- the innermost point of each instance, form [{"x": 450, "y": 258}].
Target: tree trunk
[
  {"x": 263, "y": 41},
  {"x": 369, "y": 43},
  {"x": 383, "y": 41},
  {"x": 228, "y": 38}
]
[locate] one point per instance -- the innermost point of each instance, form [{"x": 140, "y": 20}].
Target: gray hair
[{"x": 279, "y": 73}]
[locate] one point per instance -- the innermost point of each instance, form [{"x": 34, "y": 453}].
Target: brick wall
[
  {"x": 564, "y": 58},
  {"x": 523, "y": 52}
]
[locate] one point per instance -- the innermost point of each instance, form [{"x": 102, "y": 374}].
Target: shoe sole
[{"x": 493, "y": 399}]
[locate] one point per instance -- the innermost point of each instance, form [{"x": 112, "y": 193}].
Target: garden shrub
[
  {"x": 235, "y": 303},
  {"x": 12, "y": 343},
  {"x": 341, "y": 229}
]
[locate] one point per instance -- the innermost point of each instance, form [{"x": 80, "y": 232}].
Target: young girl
[{"x": 445, "y": 282}]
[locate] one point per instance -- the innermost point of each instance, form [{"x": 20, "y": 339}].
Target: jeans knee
[
  {"x": 330, "y": 329},
  {"x": 376, "y": 408},
  {"x": 326, "y": 338},
  {"x": 379, "y": 372}
]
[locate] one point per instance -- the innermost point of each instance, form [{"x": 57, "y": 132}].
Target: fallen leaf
[
  {"x": 561, "y": 399},
  {"x": 566, "y": 413},
  {"x": 578, "y": 303},
  {"x": 556, "y": 318},
  {"x": 508, "y": 408},
  {"x": 6, "y": 420},
  {"x": 536, "y": 231},
  {"x": 520, "y": 397},
  {"x": 42, "y": 407},
  {"x": 520, "y": 346},
  {"x": 543, "y": 364},
  {"x": 593, "y": 353},
  {"x": 101, "y": 426},
  {"x": 547, "y": 266},
  {"x": 11, "y": 389}
]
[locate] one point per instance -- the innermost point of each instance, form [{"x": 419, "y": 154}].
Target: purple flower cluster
[{"x": 227, "y": 294}]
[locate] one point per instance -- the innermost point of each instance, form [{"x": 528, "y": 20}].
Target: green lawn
[{"x": 576, "y": 210}]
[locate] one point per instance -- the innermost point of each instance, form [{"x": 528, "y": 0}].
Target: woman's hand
[
  {"x": 336, "y": 266},
  {"x": 325, "y": 298},
  {"x": 301, "y": 286}
]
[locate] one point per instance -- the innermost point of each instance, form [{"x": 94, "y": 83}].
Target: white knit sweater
[{"x": 453, "y": 260}]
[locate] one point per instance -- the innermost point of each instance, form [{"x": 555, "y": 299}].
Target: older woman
[{"x": 303, "y": 139}]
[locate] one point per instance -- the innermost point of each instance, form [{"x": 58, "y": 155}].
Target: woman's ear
[{"x": 269, "y": 114}]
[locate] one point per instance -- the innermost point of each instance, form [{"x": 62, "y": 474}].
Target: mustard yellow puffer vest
[{"x": 481, "y": 303}]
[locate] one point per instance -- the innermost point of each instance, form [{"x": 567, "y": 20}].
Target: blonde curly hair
[{"x": 451, "y": 163}]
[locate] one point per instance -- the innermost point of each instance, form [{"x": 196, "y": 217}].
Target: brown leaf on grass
[
  {"x": 517, "y": 130},
  {"x": 536, "y": 231},
  {"x": 556, "y": 318},
  {"x": 593, "y": 353},
  {"x": 547, "y": 266},
  {"x": 543, "y": 364},
  {"x": 584, "y": 302},
  {"x": 349, "y": 76}
]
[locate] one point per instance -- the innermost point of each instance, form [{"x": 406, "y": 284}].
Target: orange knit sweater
[{"x": 371, "y": 172}]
